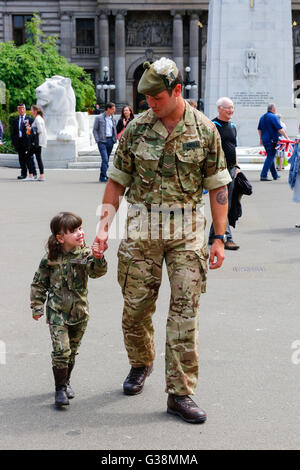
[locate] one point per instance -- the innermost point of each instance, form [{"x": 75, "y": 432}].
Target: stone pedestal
[
  {"x": 58, "y": 154},
  {"x": 250, "y": 60}
]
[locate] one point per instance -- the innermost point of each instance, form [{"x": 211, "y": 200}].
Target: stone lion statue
[{"x": 56, "y": 97}]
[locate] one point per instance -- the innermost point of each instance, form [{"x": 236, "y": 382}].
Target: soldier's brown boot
[
  {"x": 186, "y": 408},
  {"x": 135, "y": 380},
  {"x": 69, "y": 391},
  {"x": 60, "y": 377}
]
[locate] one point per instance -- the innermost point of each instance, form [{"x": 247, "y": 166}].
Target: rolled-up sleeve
[
  {"x": 215, "y": 169},
  {"x": 122, "y": 169}
]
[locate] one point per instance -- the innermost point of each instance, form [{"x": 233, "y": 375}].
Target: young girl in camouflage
[{"x": 62, "y": 279}]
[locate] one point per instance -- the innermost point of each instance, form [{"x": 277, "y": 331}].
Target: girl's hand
[
  {"x": 100, "y": 245},
  {"x": 37, "y": 317}
]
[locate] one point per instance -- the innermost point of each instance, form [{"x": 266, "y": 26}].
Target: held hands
[
  {"x": 37, "y": 317},
  {"x": 100, "y": 245},
  {"x": 216, "y": 251}
]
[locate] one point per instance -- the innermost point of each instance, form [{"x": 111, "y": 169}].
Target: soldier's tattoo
[{"x": 221, "y": 196}]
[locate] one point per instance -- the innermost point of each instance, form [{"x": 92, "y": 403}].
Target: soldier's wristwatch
[{"x": 221, "y": 237}]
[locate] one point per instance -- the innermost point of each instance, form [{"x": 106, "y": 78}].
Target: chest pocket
[
  {"x": 56, "y": 276},
  {"x": 189, "y": 168},
  {"x": 147, "y": 158},
  {"x": 78, "y": 274}
]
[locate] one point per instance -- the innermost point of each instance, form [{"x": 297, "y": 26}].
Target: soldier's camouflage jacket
[
  {"x": 162, "y": 169},
  {"x": 64, "y": 284}
]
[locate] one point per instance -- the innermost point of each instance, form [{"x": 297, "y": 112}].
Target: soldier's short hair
[{"x": 178, "y": 81}]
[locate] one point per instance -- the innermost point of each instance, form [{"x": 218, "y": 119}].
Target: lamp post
[
  {"x": 106, "y": 84},
  {"x": 188, "y": 83}
]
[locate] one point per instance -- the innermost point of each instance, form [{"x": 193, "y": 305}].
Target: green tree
[{"x": 26, "y": 67}]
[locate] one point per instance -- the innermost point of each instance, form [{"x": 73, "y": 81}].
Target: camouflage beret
[{"x": 157, "y": 77}]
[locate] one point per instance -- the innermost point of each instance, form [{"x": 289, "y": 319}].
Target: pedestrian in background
[
  {"x": 269, "y": 130},
  {"x": 126, "y": 116},
  {"x": 21, "y": 142},
  {"x": 61, "y": 279},
  {"x": 294, "y": 174},
  {"x": 97, "y": 109},
  {"x": 38, "y": 138},
  {"x": 281, "y": 154},
  {"x": 105, "y": 134},
  {"x": 228, "y": 134}
]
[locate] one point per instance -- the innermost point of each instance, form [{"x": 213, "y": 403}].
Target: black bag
[
  {"x": 274, "y": 143},
  {"x": 34, "y": 138}
]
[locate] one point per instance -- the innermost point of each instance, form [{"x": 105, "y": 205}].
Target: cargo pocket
[
  {"x": 127, "y": 256},
  {"x": 189, "y": 168},
  {"x": 202, "y": 257}
]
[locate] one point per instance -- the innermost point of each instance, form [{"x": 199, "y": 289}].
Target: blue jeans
[
  {"x": 230, "y": 187},
  {"x": 269, "y": 161},
  {"x": 105, "y": 149}
]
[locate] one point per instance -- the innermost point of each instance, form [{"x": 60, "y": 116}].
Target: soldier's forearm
[
  {"x": 110, "y": 203},
  {"x": 219, "y": 209}
]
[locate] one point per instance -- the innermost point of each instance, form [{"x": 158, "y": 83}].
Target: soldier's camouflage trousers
[
  {"x": 65, "y": 343},
  {"x": 139, "y": 274}
]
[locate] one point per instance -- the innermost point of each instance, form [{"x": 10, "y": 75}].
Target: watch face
[{"x": 225, "y": 238}]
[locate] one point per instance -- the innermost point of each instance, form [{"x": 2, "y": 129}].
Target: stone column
[
  {"x": 120, "y": 67},
  {"x": 194, "y": 52},
  {"x": 66, "y": 38},
  {"x": 103, "y": 41},
  {"x": 178, "y": 39}
]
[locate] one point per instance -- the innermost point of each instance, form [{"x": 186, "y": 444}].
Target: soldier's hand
[
  {"x": 99, "y": 246},
  {"x": 216, "y": 251},
  {"x": 37, "y": 317}
]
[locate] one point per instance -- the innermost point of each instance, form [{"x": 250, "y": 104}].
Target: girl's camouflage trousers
[{"x": 66, "y": 340}]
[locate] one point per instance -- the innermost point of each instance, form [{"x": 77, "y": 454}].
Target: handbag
[{"x": 34, "y": 138}]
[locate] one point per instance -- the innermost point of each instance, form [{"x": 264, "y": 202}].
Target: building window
[
  {"x": 19, "y": 28},
  {"x": 85, "y": 32}
]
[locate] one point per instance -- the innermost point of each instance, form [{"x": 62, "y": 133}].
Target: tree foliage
[{"x": 26, "y": 67}]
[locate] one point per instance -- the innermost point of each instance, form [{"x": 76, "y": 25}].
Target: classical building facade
[{"x": 121, "y": 35}]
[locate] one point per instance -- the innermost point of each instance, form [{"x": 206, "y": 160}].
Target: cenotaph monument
[{"x": 250, "y": 60}]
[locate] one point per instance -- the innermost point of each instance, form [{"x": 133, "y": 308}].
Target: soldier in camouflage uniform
[
  {"x": 61, "y": 279},
  {"x": 165, "y": 158}
]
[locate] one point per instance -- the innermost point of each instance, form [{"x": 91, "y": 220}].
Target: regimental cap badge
[{"x": 157, "y": 77}]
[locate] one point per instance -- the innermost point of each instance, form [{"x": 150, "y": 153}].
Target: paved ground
[{"x": 249, "y": 320}]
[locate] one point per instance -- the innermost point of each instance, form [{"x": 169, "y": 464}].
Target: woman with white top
[{"x": 39, "y": 127}]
